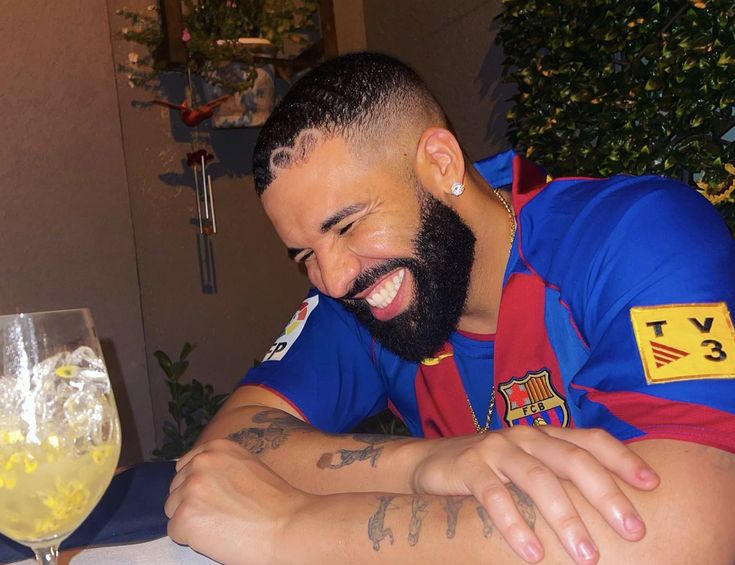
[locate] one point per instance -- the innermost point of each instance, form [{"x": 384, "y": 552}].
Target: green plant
[
  {"x": 192, "y": 405},
  {"x": 144, "y": 29},
  {"x": 274, "y": 20},
  {"x": 625, "y": 86},
  {"x": 210, "y": 35}
]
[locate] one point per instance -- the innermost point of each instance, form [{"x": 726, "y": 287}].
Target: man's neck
[{"x": 485, "y": 214}]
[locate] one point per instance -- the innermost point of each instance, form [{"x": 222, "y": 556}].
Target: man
[{"x": 566, "y": 305}]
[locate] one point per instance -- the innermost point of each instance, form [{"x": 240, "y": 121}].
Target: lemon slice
[{"x": 67, "y": 371}]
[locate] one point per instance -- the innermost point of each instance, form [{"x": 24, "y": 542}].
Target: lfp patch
[
  {"x": 685, "y": 341},
  {"x": 292, "y": 330},
  {"x": 532, "y": 400}
]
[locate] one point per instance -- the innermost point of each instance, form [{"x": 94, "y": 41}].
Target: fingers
[
  {"x": 589, "y": 474},
  {"x": 175, "y": 490},
  {"x": 184, "y": 470},
  {"x": 536, "y": 488},
  {"x": 171, "y": 504},
  {"x": 501, "y": 508},
  {"x": 611, "y": 453},
  {"x": 586, "y": 458},
  {"x": 186, "y": 457}
]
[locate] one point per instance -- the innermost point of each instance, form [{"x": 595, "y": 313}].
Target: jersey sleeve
[
  {"x": 654, "y": 307},
  {"x": 322, "y": 365}
]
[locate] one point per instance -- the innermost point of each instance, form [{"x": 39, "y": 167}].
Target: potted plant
[
  {"x": 191, "y": 406},
  {"x": 228, "y": 44}
]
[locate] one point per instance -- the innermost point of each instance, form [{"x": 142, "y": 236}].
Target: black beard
[{"x": 443, "y": 257}]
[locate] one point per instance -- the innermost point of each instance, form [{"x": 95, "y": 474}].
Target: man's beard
[{"x": 443, "y": 257}]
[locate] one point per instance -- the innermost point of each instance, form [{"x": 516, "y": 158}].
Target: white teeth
[{"x": 383, "y": 296}]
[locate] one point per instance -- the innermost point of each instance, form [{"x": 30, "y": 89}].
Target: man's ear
[{"x": 439, "y": 162}]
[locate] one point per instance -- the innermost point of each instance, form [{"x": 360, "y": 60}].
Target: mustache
[{"x": 367, "y": 278}]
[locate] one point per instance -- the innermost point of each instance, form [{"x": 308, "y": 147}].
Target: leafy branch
[
  {"x": 211, "y": 34},
  {"x": 191, "y": 406},
  {"x": 625, "y": 86}
]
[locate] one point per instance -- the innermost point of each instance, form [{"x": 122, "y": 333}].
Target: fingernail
[
  {"x": 587, "y": 551},
  {"x": 531, "y": 552},
  {"x": 647, "y": 475},
  {"x": 633, "y": 524}
]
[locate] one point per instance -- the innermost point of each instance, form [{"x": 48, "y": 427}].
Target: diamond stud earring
[{"x": 457, "y": 189}]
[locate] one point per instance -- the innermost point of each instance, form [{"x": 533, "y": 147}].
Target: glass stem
[{"x": 47, "y": 555}]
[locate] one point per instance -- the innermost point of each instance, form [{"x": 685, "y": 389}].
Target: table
[{"x": 161, "y": 551}]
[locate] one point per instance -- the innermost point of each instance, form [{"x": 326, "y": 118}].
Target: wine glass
[{"x": 59, "y": 429}]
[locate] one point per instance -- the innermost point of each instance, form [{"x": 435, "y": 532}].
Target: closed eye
[
  {"x": 299, "y": 255},
  {"x": 303, "y": 256},
  {"x": 344, "y": 229}
]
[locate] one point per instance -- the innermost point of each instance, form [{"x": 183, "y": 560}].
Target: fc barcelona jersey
[{"x": 615, "y": 314}]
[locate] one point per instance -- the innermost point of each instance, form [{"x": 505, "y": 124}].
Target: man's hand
[
  {"x": 534, "y": 460},
  {"x": 225, "y": 503}
]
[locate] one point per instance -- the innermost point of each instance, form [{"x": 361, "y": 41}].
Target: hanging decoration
[
  {"x": 198, "y": 160},
  {"x": 194, "y": 116}
]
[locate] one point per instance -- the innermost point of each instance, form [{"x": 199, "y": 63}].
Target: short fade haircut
[{"x": 365, "y": 98}]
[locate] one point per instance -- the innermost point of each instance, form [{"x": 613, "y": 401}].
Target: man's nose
[{"x": 338, "y": 268}]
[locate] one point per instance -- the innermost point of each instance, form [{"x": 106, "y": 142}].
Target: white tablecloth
[{"x": 162, "y": 551}]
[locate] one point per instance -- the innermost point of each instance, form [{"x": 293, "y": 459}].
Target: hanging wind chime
[{"x": 198, "y": 158}]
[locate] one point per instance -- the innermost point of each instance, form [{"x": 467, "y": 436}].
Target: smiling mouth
[{"x": 383, "y": 295}]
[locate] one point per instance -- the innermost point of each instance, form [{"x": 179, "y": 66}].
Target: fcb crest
[{"x": 533, "y": 400}]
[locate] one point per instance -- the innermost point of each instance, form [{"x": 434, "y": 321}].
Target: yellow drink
[
  {"x": 46, "y": 492},
  {"x": 59, "y": 429}
]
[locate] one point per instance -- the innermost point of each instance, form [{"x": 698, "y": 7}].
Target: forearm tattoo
[
  {"x": 418, "y": 513},
  {"x": 524, "y": 504},
  {"x": 450, "y": 505},
  {"x": 376, "y": 529},
  {"x": 487, "y": 523},
  {"x": 350, "y": 456},
  {"x": 277, "y": 428}
]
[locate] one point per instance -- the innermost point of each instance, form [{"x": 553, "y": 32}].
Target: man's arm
[
  {"x": 270, "y": 428},
  {"x": 475, "y": 465},
  {"x": 228, "y": 505}
]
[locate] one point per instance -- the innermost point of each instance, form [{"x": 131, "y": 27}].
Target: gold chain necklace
[
  {"x": 491, "y": 408},
  {"x": 511, "y": 239},
  {"x": 511, "y": 217}
]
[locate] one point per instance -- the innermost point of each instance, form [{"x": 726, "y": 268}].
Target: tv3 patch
[{"x": 685, "y": 341}]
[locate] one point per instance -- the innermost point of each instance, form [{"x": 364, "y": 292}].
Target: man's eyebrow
[{"x": 337, "y": 217}]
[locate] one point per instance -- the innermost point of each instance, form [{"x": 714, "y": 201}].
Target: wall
[
  {"x": 451, "y": 45},
  {"x": 349, "y": 22},
  {"x": 67, "y": 235},
  {"x": 257, "y": 287},
  {"x": 97, "y": 208}
]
